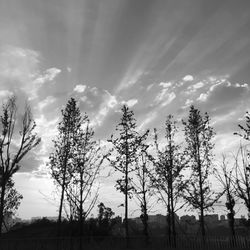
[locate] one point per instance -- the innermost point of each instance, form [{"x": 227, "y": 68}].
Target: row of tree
[
  {"x": 176, "y": 171},
  {"x": 177, "y": 174}
]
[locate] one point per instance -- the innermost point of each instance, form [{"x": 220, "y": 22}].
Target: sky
[{"x": 158, "y": 57}]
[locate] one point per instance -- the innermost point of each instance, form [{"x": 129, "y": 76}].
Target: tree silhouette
[
  {"x": 86, "y": 163},
  {"x": 227, "y": 180},
  {"x": 245, "y": 130},
  {"x": 104, "y": 217},
  {"x": 242, "y": 176},
  {"x": 61, "y": 160},
  {"x": 198, "y": 136},
  {"x": 142, "y": 184},
  {"x": 125, "y": 147},
  {"x": 11, "y": 154},
  {"x": 12, "y": 198},
  {"x": 167, "y": 175},
  {"x": 242, "y": 164}
]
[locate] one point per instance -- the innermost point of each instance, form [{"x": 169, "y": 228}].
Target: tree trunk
[
  {"x": 61, "y": 202},
  {"x": 2, "y": 205},
  {"x": 81, "y": 209},
  {"x": 202, "y": 224},
  {"x": 231, "y": 225},
  {"x": 169, "y": 224},
  {"x": 171, "y": 194},
  {"x": 173, "y": 221},
  {"x": 145, "y": 211},
  {"x": 126, "y": 206},
  {"x": 126, "y": 191}
]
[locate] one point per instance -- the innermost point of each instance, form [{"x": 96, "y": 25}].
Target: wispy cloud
[
  {"x": 188, "y": 78},
  {"x": 80, "y": 88},
  {"x": 130, "y": 103},
  {"x": 20, "y": 71},
  {"x": 109, "y": 102},
  {"x": 47, "y": 101}
]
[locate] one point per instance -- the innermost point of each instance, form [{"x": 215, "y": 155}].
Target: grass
[{"x": 113, "y": 243}]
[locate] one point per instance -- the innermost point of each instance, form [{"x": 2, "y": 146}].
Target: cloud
[
  {"x": 130, "y": 79},
  {"x": 224, "y": 92},
  {"x": 225, "y": 98},
  {"x": 48, "y": 76},
  {"x": 165, "y": 84},
  {"x": 20, "y": 71},
  {"x": 193, "y": 88},
  {"x": 94, "y": 91},
  {"x": 47, "y": 129},
  {"x": 109, "y": 102},
  {"x": 149, "y": 86},
  {"x": 164, "y": 98},
  {"x": 203, "y": 97},
  {"x": 48, "y": 100},
  {"x": 18, "y": 63},
  {"x": 245, "y": 85},
  {"x": 130, "y": 103},
  {"x": 149, "y": 118},
  {"x": 80, "y": 88},
  {"x": 188, "y": 78},
  {"x": 5, "y": 93},
  {"x": 169, "y": 99},
  {"x": 198, "y": 85},
  {"x": 187, "y": 103}
]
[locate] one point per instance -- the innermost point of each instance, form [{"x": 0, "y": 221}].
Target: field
[{"x": 113, "y": 243}]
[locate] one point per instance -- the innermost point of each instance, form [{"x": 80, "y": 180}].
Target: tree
[
  {"x": 105, "y": 215},
  {"x": 167, "y": 175},
  {"x": 11, "y": 154},
  {"x": 125, "y": 146},
  {"x": 199, "y": 146},
  {"x": 12, "y": 199},
  {"x": 142, "y": 184},
  {"x": 245, "y": 130},
  {"x": 242, "y": 162},
  {"x": 226, "y": 179},
  {"x": 61, "y": 160},
  {"x": 86, "y": 163},
  {"x": 242, "y": 176}
]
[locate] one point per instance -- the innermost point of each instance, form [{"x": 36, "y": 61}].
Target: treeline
[{"x": 176, "y": 171}]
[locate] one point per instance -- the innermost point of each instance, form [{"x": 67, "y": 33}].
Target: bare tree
[
  {"x": 242, "y": 162},
  {"x": 167, "y": 175},
  {"x": 226, "y": 178},
  {"x": 242, "y": 178},
  {"x": 198, "y": 136},
  {"x": 87, "y": 160},
  {"x": 62, "y": 157},
  {"x": 12, "y": 153},
  {"x": 245, "y": 130},
  {"x": 125, "y": 147},
  {"x": 142, "y": 187}
]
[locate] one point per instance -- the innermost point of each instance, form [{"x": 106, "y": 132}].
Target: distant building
[
  {"x": 211, "y": 219},
  {"x": 52, "y": 218},
  {"x": 35, "y": 218},
  {"x": 190, "y": 219},
  {"x": 158, "y": 218},
  {"x": 222, "y": 217}
]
